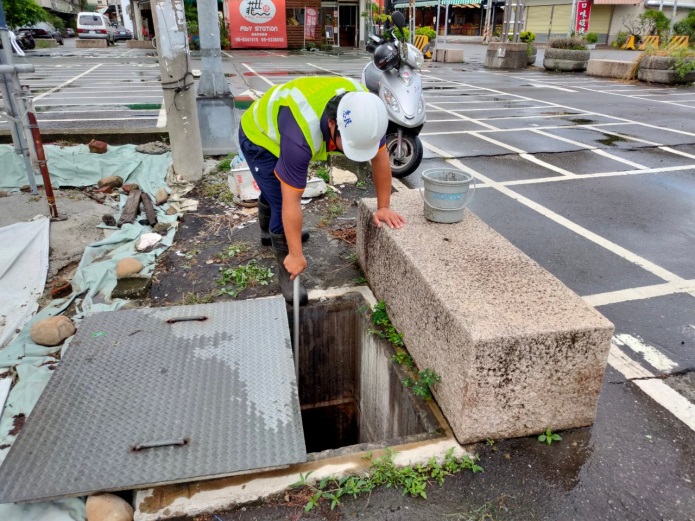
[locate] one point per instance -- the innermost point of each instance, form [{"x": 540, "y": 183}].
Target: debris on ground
[
  {"x": 128, "y": 267},
  {"x": 97, "y": 147},
  {"x": 52, "y": 331},
  {"x": 108, "y": 507},
  {"x": 154, "y": 148}
]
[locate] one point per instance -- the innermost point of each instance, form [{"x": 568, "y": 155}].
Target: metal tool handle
[{"x": 295, "y": 305}]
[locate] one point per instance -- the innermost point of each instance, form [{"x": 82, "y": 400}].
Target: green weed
[
  {"x": 225, "y": 165},
  {"x": 236, "y": 280},
  {"x": 423, "y": 383},
  {"x": 190, "y": 299},
  {"x": 411, "y": 480},
  {"x": 549, "y": 437},
  {"x": 233, "y": 250}
]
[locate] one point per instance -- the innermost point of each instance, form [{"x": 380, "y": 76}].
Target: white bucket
[{"x": 446, "y": 192}]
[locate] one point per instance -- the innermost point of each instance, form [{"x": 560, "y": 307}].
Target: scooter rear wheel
[{"x": 411, "y": 158}]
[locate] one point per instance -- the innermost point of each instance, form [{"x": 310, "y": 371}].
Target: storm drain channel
[{"x": 140, "y": 401}]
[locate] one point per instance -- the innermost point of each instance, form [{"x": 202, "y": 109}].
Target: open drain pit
[{"x": 350, "y": 391}]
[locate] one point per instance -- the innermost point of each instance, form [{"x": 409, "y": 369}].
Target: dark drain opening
[{"x": 350, "y": 390}]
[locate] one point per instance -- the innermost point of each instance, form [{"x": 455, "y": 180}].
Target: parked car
[
  {"x": 43, "y": 30},
  {"x": 95, "y": 26},
  {"x": 70, "y": 32},
  {"x": 122, "y": 33}
]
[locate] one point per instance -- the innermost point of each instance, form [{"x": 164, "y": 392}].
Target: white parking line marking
[
  {"x": 463, "y": 117},
  {"x": 641, "y": 293},
  {"x": 560, "y": 138},
  {"x": 534, "y": 159},
  {"x": 51, "y": 91},
  {"x": 498, "y": 143},
  {"x": 651, "y": 355},
  {"x": 603, "y": 153},
  {"x": 678, "y": 152},
  {"x": 563, "y": 221},
  {"x": 261, "y": 77},
  {"x": 629, "y": 138},
  {"x": 549, "y": 86},
  {"x": 656, "y": 389}
]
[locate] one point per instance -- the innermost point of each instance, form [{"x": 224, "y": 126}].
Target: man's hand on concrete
[
  {"x": 388, "y": 216},
  {"x": 295, "y": 264}
]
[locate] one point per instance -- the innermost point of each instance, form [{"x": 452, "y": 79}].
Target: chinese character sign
[
  {"x": 257, "y": 23},
  {"x": 310, "y": 23},
  {"x": 583, "y": 13}
]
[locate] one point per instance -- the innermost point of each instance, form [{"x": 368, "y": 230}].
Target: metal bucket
[{"x": 446, "y": 192}]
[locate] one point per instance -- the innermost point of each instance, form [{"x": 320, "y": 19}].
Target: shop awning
[{"x": 433, "y": 3}]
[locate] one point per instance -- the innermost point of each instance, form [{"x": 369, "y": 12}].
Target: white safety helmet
[{"x": 362, "y": 122}]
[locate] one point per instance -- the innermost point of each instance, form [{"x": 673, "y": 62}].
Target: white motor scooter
[{"x": 394, "y": 75}]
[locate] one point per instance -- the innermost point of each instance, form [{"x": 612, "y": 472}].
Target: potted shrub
[
  {"x": 591, "y": 40},
  {"x": 528, "y": 38},
  {"x": 670, "y": 67},
  {"x": 566, "y": 55}
]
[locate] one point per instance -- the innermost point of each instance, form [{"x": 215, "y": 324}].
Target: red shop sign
[
  {"x": 257, "y": 23},
  {"x": 583, "y": 13}
]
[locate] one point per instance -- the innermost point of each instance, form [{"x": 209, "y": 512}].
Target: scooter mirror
[{"x": 398, "y": 19}]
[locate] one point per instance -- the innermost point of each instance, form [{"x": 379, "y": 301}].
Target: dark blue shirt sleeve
[{"x": 295, "y": 153}]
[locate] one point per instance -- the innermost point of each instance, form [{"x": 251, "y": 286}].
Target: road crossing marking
[{"x": 69, "y": 82}]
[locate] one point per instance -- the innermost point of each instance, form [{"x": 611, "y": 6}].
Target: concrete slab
[
  {"x": 517, "y": 351},
  {"x": 608, "y": 68},
  {"x": 139, "y": 44},
  {"x": 91, "y": 44},
  {"x": 649, "y": 134}
]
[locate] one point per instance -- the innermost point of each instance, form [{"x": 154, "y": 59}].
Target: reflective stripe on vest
[{"x": 307, "y": 99}]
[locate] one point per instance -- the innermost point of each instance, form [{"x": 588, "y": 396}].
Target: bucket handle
[{"x": 469, "y": 197}]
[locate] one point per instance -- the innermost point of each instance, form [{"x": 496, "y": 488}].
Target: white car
[{"x": 95, "y": 26}]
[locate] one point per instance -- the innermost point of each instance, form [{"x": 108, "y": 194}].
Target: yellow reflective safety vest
[{"x": 307, "y": 98}]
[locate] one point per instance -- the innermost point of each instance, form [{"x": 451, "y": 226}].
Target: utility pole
[
  {"x": 13, "y": 96},
  {"x": 673, "y": 17},
  {"x": 177, "y": 84},
  {"x": 215, "y": 100}
]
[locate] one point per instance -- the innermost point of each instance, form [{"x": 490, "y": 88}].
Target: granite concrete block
[
  {"x": 517, "y": 350},
  {"x": 448, "y": 55},
  {"x": 506, "y": 55},
  {"x": 139, "y": 44},
  {"x": 608, "y": 68},
  {"x": 91, "y": 43}
]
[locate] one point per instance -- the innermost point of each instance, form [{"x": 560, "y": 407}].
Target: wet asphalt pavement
[{"x": 595, "y": 180}]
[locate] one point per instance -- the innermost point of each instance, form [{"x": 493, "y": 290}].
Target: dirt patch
[{"x": 221, "y": 236}]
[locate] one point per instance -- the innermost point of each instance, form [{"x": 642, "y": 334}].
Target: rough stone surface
[
  {"x": 139, "y": 44},
  {"x": 506, "y": 55},
  {"x": 663, "y": 76},
  {"x": 608, "y": 68},
  {"x": 161, "y": 196},
  {"x": 90, "y": 44},
  {"x": 52, "y": 331},
  {"x": 517, "y": 351},
  {"x": 154, "y": 148},
  {"x": 127, "y": 267},
  {"x": 566, "y": 60},
  {"x": 340, "y": 176},
  {"x": 3, "y": 193},
  {"x": 108, "y": 507},
  {"x": 111, "y": 181},
  {"x": 132, "y": 287},
  {"x": 448, "y": 55}
]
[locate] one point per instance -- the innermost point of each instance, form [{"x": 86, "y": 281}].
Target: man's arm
[
  {"x": 295, "y": 262},
  {"x": 381, "y": 168}
]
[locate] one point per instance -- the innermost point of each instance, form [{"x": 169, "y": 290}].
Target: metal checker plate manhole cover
[{"x": 225, "y": 385}]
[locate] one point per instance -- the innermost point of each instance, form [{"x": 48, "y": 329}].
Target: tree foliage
[
  {"x": 686, "y": 26},
  {"x": 23, "y": 12}
]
